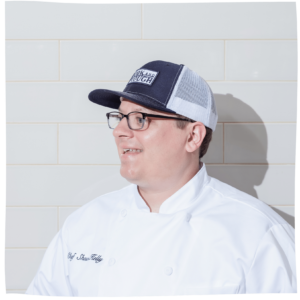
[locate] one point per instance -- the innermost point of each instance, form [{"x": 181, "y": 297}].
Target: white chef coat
[{"x": 208, "y": 238}]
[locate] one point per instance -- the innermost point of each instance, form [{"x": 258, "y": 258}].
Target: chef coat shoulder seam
[
  {"x": 260, "y": 242},
  {"x": 256, "y": 251},
  {"x": 259, "y": 211}
]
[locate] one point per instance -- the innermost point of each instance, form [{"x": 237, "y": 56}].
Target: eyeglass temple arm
[
  {"x": 165, "y": 117},
  {"x": 150, "y": 115}
]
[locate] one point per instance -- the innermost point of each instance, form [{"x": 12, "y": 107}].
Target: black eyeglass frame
[{"x": 144, "y": 116}]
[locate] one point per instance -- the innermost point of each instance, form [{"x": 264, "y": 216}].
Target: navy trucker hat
[{"x": 167, "y": 87}]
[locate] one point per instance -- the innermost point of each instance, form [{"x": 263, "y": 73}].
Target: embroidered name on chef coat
[{"x": 96, "y": 257}]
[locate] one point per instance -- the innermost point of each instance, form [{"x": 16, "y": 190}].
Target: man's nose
[{"x": 122, "y": 128}]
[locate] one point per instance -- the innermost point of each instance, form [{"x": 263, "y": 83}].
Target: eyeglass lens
[{"x": 136, "y": 120}]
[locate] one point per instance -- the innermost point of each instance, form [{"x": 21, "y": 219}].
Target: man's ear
[{"x": 195, "y": 135}]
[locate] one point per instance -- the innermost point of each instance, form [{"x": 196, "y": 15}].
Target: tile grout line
[
  {"x": 259, "y": 122},
  {"x": 26, "y": 248},
  {"x": 223, "y": 143},
  {"x": 161, "y": 40},
  {"x": 221, "y": 164},
  {"x": 100, "y": 123},
  {"x": 70, "y": 206},
  {"x": 224, "y": 60},
  {"x": 58, "y": 60},
  {"x": 43, "y": 206},
  {"x": 66, "y": 81},
  {"x": 142, "y": 21},
  {"x": 248, "y": 164},
  {"x": 125, "y": 81},
  {"x": 57, "y": 143},
  {"x": 57, "y": 218}
]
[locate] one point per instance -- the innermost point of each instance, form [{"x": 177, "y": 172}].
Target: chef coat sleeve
[
  {"x": 273, "y": 269},
  {"x": 52, "y": 276}
]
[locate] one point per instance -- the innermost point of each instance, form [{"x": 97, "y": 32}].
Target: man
[{"x": 174, "y": 230}]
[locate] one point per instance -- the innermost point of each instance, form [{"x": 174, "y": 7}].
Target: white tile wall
[
  {"x": 260, "y": 143},
  {"x": 273, "y": 184},
  {"x": 32, "y": 60},
  {"x": 60, "y": 185},
  {"x": 64, "y": 212},
  {"x": 261, "y": 60},
  {"x": 108, "y": 60},
  {"x": 39, "y": 102},
  {"x": 255, "y": 101},
  {"x": 31, "y": 144},
  {"x": 76, "y": 21},
  {"x": 220, "y": 21},
  {"x": 287, "y": 212},
  {"x": 56, "y": 53},
  {"x": 21, "y": 266},
  {"x": 87, "y": 144},
  {"x": 30, "y": 226},
  {"x": 214, "y": 152}
]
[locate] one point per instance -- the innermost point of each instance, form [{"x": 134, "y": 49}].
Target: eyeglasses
[{"x": 135, "y": 119}]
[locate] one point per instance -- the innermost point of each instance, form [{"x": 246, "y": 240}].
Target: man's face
[{"x": 162, "y": 147}]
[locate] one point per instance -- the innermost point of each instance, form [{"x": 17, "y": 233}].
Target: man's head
[{"x": 167, "y": 147}]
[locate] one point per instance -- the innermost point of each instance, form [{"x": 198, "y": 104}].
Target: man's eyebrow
[{"x": 137, "y": 109}]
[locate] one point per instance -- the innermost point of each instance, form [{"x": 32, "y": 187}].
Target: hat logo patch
[{"x": 143, "y": 76}]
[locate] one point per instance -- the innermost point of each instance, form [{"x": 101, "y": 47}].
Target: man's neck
[{"x": 156, "y": 196}]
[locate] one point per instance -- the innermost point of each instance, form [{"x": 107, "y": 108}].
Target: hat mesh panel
[{"x": 193, "y": 89}]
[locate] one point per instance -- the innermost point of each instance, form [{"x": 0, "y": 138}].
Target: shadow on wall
[
  {"x": 248, "y": 148},
  {"x": 290, "y": 219}
]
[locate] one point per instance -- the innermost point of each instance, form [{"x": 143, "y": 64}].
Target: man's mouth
[{"x": 132, "y": 151}]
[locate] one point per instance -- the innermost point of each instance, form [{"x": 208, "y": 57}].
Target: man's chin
[{"x": 130, "y": 174}]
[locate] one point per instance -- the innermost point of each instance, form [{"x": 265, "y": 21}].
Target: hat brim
[{"x": 111, "y": 99}]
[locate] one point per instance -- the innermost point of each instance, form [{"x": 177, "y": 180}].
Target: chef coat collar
[{"x": 181, "y": 199}]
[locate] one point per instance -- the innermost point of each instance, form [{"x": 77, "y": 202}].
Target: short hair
[{"x": 207, "y": 139}]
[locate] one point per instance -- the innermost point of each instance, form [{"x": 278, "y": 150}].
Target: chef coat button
[
  {"x": 188, "y": 217},
  {"x": 111, "y": 261},
  {"x": 168, "y": 271},
  {"x": 124, "y": 213}
]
